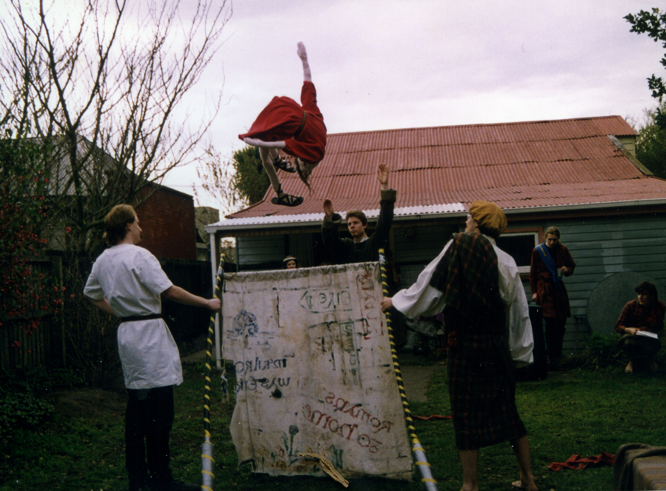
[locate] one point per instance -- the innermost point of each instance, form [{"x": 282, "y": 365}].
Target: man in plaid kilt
[{"x": 468, "y": 280}]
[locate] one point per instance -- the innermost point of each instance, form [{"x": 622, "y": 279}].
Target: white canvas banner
[{"x": 314, "y": 372}]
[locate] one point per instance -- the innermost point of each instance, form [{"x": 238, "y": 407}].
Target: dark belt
[
  {"x": 140, "y": 317},
  {"x": 300, "y": 128}
]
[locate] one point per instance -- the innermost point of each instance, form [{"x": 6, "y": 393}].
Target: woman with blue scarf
[{"x": 550, "y": 262}]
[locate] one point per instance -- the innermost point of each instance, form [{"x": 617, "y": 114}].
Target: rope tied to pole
[{"x": 417, "y": 450}]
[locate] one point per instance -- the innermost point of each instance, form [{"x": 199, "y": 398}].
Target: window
[{"x": 519, "y": 245}]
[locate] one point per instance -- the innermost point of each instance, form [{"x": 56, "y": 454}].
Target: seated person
[{"x": 645, "y": 314}]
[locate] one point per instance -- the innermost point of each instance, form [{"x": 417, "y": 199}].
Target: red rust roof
[{"x": 516, "y": 165}]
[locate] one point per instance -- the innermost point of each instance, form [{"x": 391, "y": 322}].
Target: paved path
[{"x": 416, "y": 380}]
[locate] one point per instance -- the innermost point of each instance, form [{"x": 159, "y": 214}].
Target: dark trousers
[
  {"x": 148, "y": 421},
  {"x": 554, "y": 336},
  {"x": 640, "y": 350}
]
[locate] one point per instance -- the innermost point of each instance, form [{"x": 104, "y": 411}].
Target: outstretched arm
[
  {"x": 302, "y": 54},
  {"x": 178, "y": 294},
  {"x": 256, "y": 142}
]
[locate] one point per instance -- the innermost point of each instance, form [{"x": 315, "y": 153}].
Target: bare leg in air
[{"x": 269, "y": 151}]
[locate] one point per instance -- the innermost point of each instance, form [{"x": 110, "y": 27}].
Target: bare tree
[
  {"x": 101, "y": 84},
  {"x": 239, "y": 182}
]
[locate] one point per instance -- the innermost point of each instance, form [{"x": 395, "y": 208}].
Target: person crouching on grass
[{"x": 642, "y": 315}]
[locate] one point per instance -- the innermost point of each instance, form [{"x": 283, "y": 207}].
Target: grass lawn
[{"x": 575, "y": 412}]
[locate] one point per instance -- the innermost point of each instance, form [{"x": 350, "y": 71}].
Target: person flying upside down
[{"x": 297, "y": 129}]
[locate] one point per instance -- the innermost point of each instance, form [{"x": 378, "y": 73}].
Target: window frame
[{"x": 537, "y": 232}]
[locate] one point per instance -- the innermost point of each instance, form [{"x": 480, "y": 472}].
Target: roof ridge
[{"x": 471, "y": 125}]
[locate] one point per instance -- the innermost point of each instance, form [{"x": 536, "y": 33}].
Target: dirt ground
[{"x": 85, "y": 402}]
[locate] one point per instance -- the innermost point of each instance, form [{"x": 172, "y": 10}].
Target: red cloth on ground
[
  {"x": 280, "y": 119},
  {"x": 433, "y": 417},
  {"x": 576, "y": 462}
]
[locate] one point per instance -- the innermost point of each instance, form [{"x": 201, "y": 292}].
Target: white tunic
[
  {"x": 421, "y": 299},
  {"x": 132, "y": 280}
]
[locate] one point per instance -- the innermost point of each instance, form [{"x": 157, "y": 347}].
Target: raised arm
[
  {"x": 328, "y": 209},
  {"x": 302, "y": 54},
  {"x": 383, "y": 176}
]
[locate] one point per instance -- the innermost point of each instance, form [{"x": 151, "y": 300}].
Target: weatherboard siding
[
  {"x": 601, "y": 246},
  {"x": 260, "y": 250},
  {"x": 604, "y": 246}
]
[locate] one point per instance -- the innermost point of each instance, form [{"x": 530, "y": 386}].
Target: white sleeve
[
  {"x": 421, "y": 298},
  {"x": 152, "y": 275},
  {"x": 521, "y": 339},
  {"x": 93, "y": 288}
]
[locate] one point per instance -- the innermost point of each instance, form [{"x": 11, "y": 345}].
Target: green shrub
[
  {"x": 20, "y": 403},
  {"x": 601, "y": 351},
  {"x": 21, "y": 411}
]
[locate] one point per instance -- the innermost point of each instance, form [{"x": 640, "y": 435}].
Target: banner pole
[
  {"x": 207, "y": 461},
  {"x": 417, "y": 449}
]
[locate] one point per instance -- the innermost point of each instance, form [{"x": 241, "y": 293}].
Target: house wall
[
  {"x": 604, "y": 246},
  {"x": 415, "y": 247},
  {"x": 168, "y": 224},
  {"x": 601, "y": 246},
  {"x": 261, "y": 252}
]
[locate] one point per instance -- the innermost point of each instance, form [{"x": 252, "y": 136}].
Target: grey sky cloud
[{"x": 381, "y": 64}]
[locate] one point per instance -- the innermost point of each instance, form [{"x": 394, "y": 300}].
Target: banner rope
[{"x": 417, "y": 450}]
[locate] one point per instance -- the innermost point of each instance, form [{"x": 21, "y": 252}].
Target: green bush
[
  {"x": 601, "y": 351},
  {"x": 21, "y": 411},
  {"x": 20, "y": 403}
]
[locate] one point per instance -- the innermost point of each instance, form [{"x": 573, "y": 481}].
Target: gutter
[{"x": 314, "y": 219}]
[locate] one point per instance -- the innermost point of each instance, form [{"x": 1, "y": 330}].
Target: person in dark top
[
  {"x": 360, "y": 248},
  {"x": 639, "y": 323}
]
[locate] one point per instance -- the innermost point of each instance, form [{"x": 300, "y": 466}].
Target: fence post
[{"x": 56, "y": 261}]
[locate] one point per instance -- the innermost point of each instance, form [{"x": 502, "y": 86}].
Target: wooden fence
[{"x": 46, "y": 345}]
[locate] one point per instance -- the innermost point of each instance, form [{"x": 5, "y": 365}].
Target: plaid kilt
[{"x": 481, "y": 382}]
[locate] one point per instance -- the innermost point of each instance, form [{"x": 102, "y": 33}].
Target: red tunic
[{"x": 282, "y": 117}]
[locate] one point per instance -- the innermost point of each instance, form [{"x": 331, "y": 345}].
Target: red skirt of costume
[{"x": 280, "y": 120}]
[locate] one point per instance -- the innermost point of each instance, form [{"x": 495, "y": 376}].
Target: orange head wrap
[{"x": 489, "y": 216}]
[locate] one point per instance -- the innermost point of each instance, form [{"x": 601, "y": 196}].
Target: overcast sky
[{"x": 381, "y": 64}]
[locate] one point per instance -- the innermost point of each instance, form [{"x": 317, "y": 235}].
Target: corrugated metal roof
[{"x": 516, "y": 165}]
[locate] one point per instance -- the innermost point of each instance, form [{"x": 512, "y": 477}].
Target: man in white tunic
[
  {"x": 478, "y": 288},
  {"x": 126, "y": 281}
]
